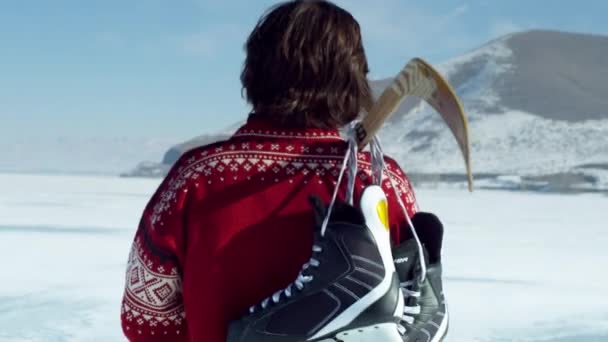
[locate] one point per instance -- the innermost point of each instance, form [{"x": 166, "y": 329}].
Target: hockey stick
[{"x": 419, "y": 79}]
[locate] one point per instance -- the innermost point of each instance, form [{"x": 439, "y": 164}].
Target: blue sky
[{"x": 170, "y": 68}]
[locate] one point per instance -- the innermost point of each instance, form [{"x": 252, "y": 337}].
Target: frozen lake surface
[{"x": 518, "y": 266}]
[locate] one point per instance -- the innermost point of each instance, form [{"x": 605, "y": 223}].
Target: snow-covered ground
[
  {"x": 519, "y": 266},
  {"x": 64, "y": 241}
]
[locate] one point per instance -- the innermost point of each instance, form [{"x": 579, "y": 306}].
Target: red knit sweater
[{"x": 231, "y": 224}]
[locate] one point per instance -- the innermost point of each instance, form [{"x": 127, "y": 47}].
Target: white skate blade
[{"x": 385, "y": 332}]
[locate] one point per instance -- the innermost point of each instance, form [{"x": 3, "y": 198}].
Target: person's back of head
[{"x": 306, "y": 66}]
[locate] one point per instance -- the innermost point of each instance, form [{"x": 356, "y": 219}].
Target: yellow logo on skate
[{"x": 382, "y": 209}]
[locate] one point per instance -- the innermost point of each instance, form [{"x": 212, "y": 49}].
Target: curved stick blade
[{"x": 420, "y": 79}]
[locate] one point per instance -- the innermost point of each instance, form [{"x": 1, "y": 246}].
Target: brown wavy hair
[{"x": 306, "y": 66}]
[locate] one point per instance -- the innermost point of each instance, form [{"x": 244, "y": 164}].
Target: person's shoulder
[
  {"x": 393, "y": 167},
  {"x": 199, "y": 156},
  {"x": 392, "y": 162}
]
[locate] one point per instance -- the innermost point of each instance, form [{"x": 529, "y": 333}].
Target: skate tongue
[
  {"x": 341, "y": 213},
  {"x": 406, "y": 260},
  {"x": 430, "y": 231}
]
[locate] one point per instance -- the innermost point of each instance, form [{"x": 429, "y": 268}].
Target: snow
[
  {"x": 521, "y": 266},
  {"x": 494, "y": 51},
  {"x": 63, "y": 245},
  {"x": 518, "y": 266},
  {"x": 510, "y": 143}
]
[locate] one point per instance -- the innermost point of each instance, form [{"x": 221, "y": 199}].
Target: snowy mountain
[{"x": 537, "y": 107}]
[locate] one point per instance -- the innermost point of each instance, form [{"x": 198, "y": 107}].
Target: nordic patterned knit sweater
[{"x": 231, "y": 224}]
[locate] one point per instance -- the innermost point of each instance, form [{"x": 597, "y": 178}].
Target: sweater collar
[{"x": 263, "y": 128}]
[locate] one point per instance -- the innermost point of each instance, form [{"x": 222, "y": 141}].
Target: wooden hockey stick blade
[{"x": 419, "y": 79}]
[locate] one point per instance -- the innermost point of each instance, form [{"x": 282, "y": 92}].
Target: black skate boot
[
  {"x": 425, "y": 316},
  {"x": 348, "y": 291}
]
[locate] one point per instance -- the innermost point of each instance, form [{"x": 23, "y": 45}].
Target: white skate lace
[
  {"x": 409, "y": 312},
  {"x": 299, "y": 283},
  {"x": 378, "y": 164}
]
